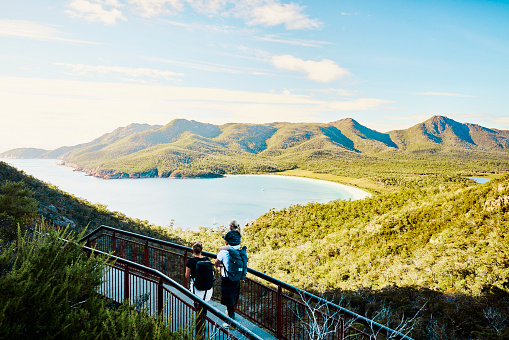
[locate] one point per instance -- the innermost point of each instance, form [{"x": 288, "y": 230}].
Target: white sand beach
[{"x": 357, "y": 193}]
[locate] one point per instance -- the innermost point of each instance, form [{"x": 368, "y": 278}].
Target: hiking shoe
[{"x": 228, "y": 326}]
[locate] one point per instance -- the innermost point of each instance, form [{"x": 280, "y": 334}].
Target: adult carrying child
[{"x": 234, "y": 268}]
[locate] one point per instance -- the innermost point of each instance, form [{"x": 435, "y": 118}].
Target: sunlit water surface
[
  {"x": 189, "y": 203},
  {"x": 480, "y": 179}
]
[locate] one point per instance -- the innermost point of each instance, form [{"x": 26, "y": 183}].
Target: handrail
[
  {"x": 359, "y": 318},
  {"x": 180, "y": 288}
]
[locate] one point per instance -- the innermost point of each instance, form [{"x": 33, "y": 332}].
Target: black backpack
[
  {"x": 204, "y": 275},
  {"x": 237, "y": 264}
]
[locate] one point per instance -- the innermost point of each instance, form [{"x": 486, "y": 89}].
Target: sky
[{"x": 73, "y": 70}]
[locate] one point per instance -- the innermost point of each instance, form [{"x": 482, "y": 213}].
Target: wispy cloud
[
  {"x": 80, "y": 69},
  {"x": 415, "y": 118},
  {"x": 152, "y": 8},
  {"x": 323, "y": 71},
  {"x": 105, "y": 11},
  {"x": 267, "y": 13},
  {"x": 211, "y": 67},
  {"x": 472, "y": 115},
  {"x": 359, "y": 104},
  {"x": 273, "y": 13},
  {"x": 53, "y": 110},
  {"x": 503, "y": 120},
  {"x": 296, "y": 42},
  {"x": 445, "y": 94},
  {"x": 333, "y": 92},
  {"x": 133, "y": 97},
  {"x": 195, "y": 26},
  {"x": 34, "y": 30}
]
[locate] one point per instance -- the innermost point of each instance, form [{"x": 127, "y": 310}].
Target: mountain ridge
[{"x": 187, "y": 148}]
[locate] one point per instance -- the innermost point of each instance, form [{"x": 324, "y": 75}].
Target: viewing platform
[{"x": 151, "y": 272}]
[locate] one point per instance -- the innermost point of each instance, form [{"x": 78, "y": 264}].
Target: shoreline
[{"x": 357, "y": 193}]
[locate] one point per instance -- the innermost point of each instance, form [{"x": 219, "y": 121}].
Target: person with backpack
[
  {"x": 200, "y": 274},
  {"x": 234, "y": 269}
]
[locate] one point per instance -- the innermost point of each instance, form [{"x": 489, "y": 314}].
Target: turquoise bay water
[
  {"x": 480, "y": 179},
  {"x": 190, "y": 203}
]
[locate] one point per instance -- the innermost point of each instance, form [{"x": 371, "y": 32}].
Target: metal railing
[
  {"x": 129, "y": 281},
  {"x": 282, "y": 309}
]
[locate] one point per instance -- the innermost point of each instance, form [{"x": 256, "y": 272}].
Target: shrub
[{"x": 48, "y": 290}]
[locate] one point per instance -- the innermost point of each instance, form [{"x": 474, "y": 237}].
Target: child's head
[
  {"x": 232, "y": 238},
  {"x": 234, "y": 225}
]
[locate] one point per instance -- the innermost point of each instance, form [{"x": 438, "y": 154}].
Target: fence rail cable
[{"x": 276, "y": 313}]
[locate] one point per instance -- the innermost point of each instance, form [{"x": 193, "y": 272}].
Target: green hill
[
  {"x": 101, "y": 142},
  {"x": 185, "y": 148},
  {"x": 443, "y": 236},
  {"x": 23, "y": 153},
  {"x": 441, "y": 247}
]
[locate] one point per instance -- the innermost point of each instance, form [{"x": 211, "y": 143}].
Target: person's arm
[
  {"x": 219, "y": 259},
  {"x": 188, "y": 273}
]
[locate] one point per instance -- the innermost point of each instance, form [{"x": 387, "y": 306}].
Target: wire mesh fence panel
[
  {"x": 258, "y": 303},
  {"x": 112, "y": 286},
  {"x": 179, "y": 314}
]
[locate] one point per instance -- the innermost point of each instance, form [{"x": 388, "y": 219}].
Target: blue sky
[{"x": 73, "y": 70}]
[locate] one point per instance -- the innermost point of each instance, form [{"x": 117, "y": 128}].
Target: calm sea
[{"x": 188, "y": 203}]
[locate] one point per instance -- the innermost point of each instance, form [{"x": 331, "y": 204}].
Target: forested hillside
[
  {"x": 185, "y": 148},
  {"x": 449, "y": 236},
  {"x": 439, "y": 244}
]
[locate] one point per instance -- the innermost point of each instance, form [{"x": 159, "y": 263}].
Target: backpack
[
  {"x": 204, "y": 275},
  {"x": 237, "y": 264}
]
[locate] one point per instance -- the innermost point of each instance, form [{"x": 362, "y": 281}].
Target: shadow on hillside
[{"x": 447, "y": 315}]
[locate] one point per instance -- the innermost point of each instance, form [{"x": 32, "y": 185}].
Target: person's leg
[
  {"x": 226, "y": 299},
  {"x": 231, "y": 311}
]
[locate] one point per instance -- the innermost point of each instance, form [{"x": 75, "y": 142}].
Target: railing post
[
  {"x": 146, "y": 254},
  {"x": 200, "y": 323},
  {"x": 126, "y": 283},
  {"x": 342, "y": 327},
  {"x": 279, "y": 312},
  {"x": 185, "y": 258},
  {"x": 160, "y": 296},
  {"x": 114, "y": 244}
]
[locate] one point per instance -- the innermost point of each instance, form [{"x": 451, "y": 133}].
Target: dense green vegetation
[
  {"x": 440, "y": 242},
  {"x": 448, "y": 236},
  {"x": 49, "y": 291},
  {"x": 16, "y": 208}
]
